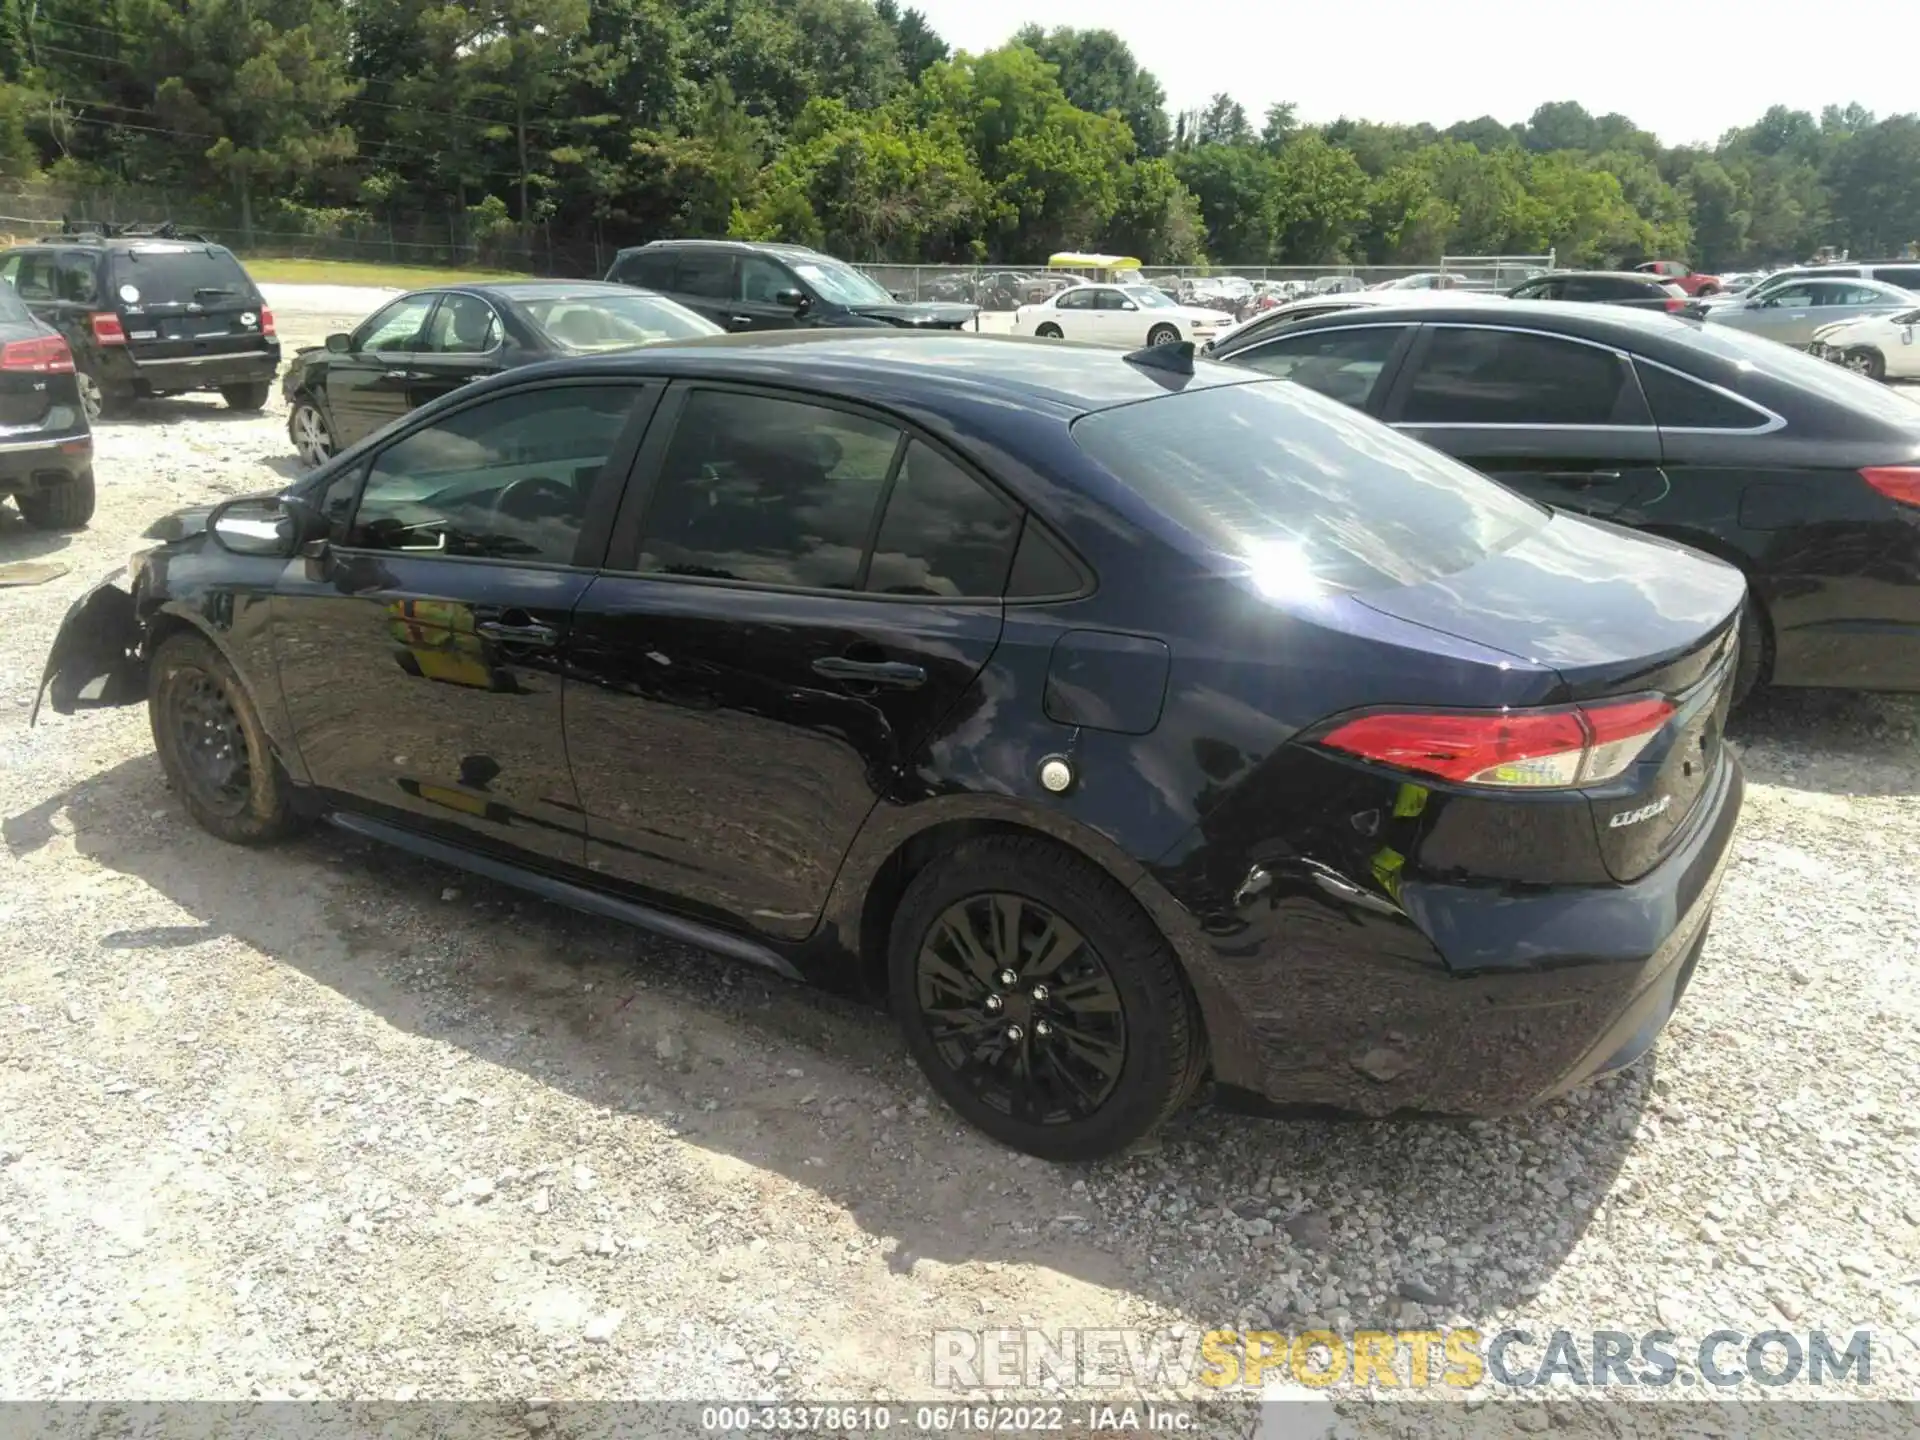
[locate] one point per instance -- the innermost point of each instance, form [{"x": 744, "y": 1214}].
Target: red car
[{"x": 1691, "y": 281}]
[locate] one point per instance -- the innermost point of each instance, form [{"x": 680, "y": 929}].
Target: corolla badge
[{"x": 1645, "y": 812}]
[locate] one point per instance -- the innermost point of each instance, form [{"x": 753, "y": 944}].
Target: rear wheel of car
[
  {"x": 1162, "y": 335},
  {"x": 1049, "y": 331},
  {"x": 1041, "y": 1002},
  {"x": 312, "y": 437},
  {"x": 66, "y": 506},
  {"x": 98, "y": 399},
  {"x": 212, "y": 744},
  {"x": 1867, "y": 361},
  {"x": 246, "y": 397},
  {"x": 1750, "y": 659}
]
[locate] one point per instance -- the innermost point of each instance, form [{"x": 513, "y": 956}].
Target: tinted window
[
  {"x": 397, "y": 327},
  {"x": 769, "y": 491},
  {"x": 761, "y": 279},
  {"x": 1076, "y": 299},
  {"x": 1343, "y": 365},
  {"x": 1040, "y": 566},
  {"x": 1508, "y": 377},
  {"x": 705, "y": 272},
  {"x": 650, "y": 268},
  {"x": 1791, "y": 366},
  {"x": 1310, "y": 495},
  {"x": 37, "y": 277},
  {"x": 463, "y": 325},
  {"x": 1681, "y": 404},
  {"x": 76, "y": 278},
  {"x": 1907, "y": 277},
  {"x": 507, "y": 479},
  {"x": 944, "y": 532},
  {"x": 1547, "y": 290},
  {"x": 181, "y": 275},
  {"x": 1110, "y": 300}
]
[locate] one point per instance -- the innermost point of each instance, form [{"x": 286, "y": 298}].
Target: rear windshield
[
  {"x": 180, "y": 275},
  {"x": 1312, "y": 495}
]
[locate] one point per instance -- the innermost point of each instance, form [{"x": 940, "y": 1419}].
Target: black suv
[
  {"x": 46, "y": 450},
  {"x": 149, "y": 312},
  {"x": 747, "y": 286}
]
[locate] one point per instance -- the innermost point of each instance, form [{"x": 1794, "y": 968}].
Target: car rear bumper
[
  {"x": 196, "y": 372},
  {"x": 42, "y": 461},
  {"x": 1472, "y": 999}
]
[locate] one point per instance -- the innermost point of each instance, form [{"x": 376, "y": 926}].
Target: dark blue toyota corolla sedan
[{"x": 1128, "y": 722}]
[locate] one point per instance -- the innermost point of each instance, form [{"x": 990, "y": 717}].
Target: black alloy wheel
[
  {"x": 212, "y": 744},
  {"x": 209, "y": 741},
  {"x": 1021, "y": 1008}
]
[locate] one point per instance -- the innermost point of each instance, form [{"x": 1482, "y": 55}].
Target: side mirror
[
  {"x": 792, "y": 299},
  {"x": 1128, "y": 305},
  {"x": 264, "y": 525},
  {"x": 339, "y": 344}
]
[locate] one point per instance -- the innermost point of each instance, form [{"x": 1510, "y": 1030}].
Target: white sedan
[
  {"x": 1125, "y": 315},
  {"x": 1881, "y": 347}
]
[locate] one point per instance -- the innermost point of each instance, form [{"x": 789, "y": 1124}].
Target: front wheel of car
[
  {"x": 1041, "y": 1002},
  {"x": 312, "y": 437},
  {"x": 1162, "y": 335},
  {"x": 1050, "y": 332},
  {"x": 67, "y": 505},
  {"x": 1865, "y": 360},
  {"x": 246, "y": 397},
  {"x": 212, "y": 744}
]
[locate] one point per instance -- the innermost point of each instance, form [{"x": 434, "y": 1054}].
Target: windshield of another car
[
  {"x": 1310, "y": 495},
  {"x": 842, "y": 284},
  {"x": 586, "y": 324}
]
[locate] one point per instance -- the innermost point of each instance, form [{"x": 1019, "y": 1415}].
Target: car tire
[
  {"x": 212, "y": 745},
  {"x": 66, "y": 506},
  {"x": 99, "y": 400},
  {"x": 1121, "y": 1044},
  {"x": 312, "y": 437},
  {"x": 1751, "y": 655},
  {"x": 1867, "y": 361},
  {"x": 246, "y": 397},
  {"x": 1049, "y": 332},
  {"x": 1162, "y": 335}
]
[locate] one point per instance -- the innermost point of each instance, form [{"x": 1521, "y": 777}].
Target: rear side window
[
  {"x": 651, "y": 269},
  {"x": 944, "y": 532},
  {"x": 1682, "y": 404},
  {"x": 707, "y": 273},
  {"x": 1511, "y": 377},
  {"x": 181, "y": 275},
  {"x": 1907, "y": 277},
  {"x": 1310, "y": 496},
  {"x": 1343, "y": 365}
]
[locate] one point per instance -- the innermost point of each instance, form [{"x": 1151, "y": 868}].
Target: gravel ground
[{"x": 327, "y": 1121}]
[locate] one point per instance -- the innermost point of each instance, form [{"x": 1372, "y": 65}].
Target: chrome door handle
[
  {"x": 398, "y": 375},
  {"x": 895, "y": 673},
  {"x": 532, "y": 633}
]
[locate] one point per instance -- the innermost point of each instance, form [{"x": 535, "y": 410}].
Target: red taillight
[
  {"x": 266, "y": 323},
  {"x": 40, "y": 357},
  {"x": 1674, "y": 303},
  {"x": 1511, "y": 749},
  {"x": 1899, "y": 483},
  {"x": 107, "y": 329}
]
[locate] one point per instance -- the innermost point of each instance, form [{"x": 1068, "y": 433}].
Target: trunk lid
[
  {"x": 1614, "y": 614},
  {"x": 178, "y": 300}
]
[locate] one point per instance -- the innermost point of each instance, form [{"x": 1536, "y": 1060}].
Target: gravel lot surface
[{"x": 324, "y": 1120}]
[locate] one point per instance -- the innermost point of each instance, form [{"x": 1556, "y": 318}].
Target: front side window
[
  {"x": 762, "y": 279},
  {"x": 767, "y": 491},
  {"x": 506, "y": 479},
  {"x": 463, "y": 325},
  {"x": 1079, "y": 298},
  {"x": 1512, "y": 377},
  {"x": 398, "y": 327},
  {"x": 1113, "y": 300},
  {"x": 706, "y": 273},
  {"x": 1343, "y": 365},
  {"x": 1789, "y": 295}
]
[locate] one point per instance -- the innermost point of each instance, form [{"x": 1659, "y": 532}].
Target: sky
[{"x": 1686, "y": 71}]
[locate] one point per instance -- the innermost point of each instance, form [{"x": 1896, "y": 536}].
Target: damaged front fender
[{"x": 95, "y": 661}]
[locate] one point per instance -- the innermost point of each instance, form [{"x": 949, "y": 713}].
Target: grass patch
[{"x": 271, "y": 270}]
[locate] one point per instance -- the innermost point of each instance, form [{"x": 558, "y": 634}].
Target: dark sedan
[
  {"x": 1126, "y": 721},
  {"x": 46, "y": 447},
  {"x": 431, "y": 342},
  {"x": 1634, "y": 289},
  {"x": 1805, "y": 476}
]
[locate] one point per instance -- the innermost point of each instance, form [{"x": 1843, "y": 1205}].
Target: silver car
[{"x": 1790, "y": 313}]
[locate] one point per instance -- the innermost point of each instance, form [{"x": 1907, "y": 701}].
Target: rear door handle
[
  {"x": 740, "y": 322},
  {"x": 531, "y": 633},
  {"x": 895, "y": 673},
  {"x": 1580, "y": 477},
  {"x": 398, "y": 375}
]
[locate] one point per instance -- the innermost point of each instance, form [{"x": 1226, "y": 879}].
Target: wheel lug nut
[
  {"x": 1042, "y": 1029},
  {"x": 1008, "y": 978},
  {"x": 1039, "y": 992},
  {"x": 1014, "y": 1032},
  {"x": 994, "y": 1003}
]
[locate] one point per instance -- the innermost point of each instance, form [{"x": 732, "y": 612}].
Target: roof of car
[
  {"x": 770, "y": 247},
  {"x": 1644, "y": 277},
  {"x": 1570, "y": 316},
  {"x": 540, "y": 289},
  {"x": 931, "y": 369}
]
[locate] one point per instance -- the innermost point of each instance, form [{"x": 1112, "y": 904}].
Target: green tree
[
  {"x": 1157, "y": 220},
  {"x": 1223, "y": 122},
  {"x": 920, "y": 48},
  {"x": 1098, "y": 73}
]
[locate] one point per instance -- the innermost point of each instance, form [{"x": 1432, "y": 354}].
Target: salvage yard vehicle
[
  {"x": 1127, "y": 720},
  {"x": 429, "y": 343},
  {"x": 1880, "y": 347},
  {"x": 1790, "y": 313},
  {"x": 149, "y": 312},
  {"x": 46, "y": 449},
  {"x": 1805, "y": 477},
  {"x": 1129, "y": 316},
  {"x": 1604, "y": 287},
  {"x": 1691, "y": 282}
]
